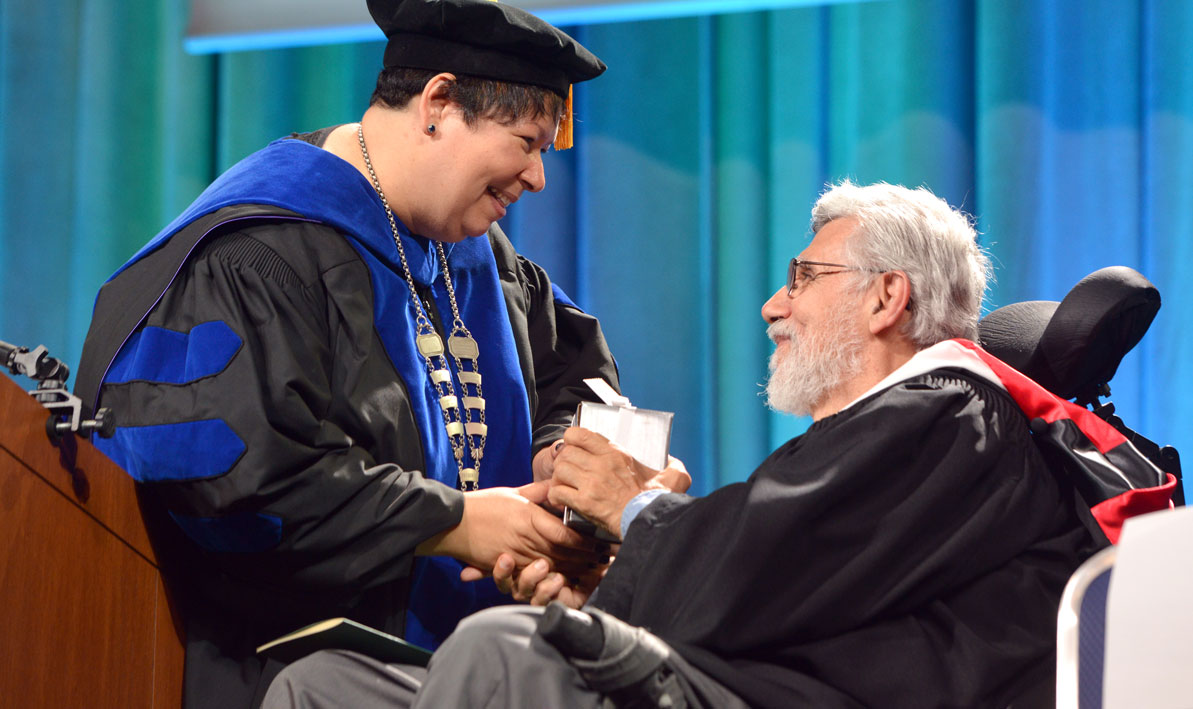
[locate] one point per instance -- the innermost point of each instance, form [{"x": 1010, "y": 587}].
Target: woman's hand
[
  {"x": 539, "y": 585},
  {"x": 539, "y": 582},
  {"x": 503, "y": 520},
  {"x": 543, "y": 465}
]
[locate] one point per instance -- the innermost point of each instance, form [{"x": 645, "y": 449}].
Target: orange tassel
[{"x": 564, "y": 138}]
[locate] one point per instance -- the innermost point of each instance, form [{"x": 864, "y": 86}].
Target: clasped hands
[{"x": 547, "y": 561}]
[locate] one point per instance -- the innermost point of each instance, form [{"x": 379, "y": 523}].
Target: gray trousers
[{"x": 493, "y": 659}]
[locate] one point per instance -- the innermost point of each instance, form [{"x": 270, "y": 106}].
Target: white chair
[
  {"x": 1125, "y": 626},
  {"x": 1080, "y": 633}
]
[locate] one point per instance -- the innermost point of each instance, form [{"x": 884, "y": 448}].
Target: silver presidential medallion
[{"x": 466, "y": 429}]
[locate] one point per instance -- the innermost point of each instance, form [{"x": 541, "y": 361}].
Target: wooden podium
[{"x": 84, "y": 620}]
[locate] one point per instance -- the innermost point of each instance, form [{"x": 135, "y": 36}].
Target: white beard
[{"x": 815, "y": 365}]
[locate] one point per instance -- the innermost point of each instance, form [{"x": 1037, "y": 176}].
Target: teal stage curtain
[{"x": 1064, "y": 126}]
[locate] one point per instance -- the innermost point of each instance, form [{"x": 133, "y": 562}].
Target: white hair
[{"x": 914, "y": 231}]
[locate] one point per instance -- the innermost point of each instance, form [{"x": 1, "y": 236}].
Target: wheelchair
[{"x": 1072, "y": 349}]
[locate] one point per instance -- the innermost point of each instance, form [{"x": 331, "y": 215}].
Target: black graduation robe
[
  {"x": 910, "y": 550},
  {"x": 290, "y": 453}
]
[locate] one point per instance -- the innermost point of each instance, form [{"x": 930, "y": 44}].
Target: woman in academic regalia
[{"x": 332, "y": 372}]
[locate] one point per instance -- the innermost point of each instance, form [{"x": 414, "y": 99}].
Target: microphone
[{"x": 36, "y": 364}]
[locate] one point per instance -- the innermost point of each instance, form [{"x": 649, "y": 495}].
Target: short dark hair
[{"x": 504, "y": 102}]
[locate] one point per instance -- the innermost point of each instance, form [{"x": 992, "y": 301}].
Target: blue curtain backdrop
[{"x": 1066, "y": 127}]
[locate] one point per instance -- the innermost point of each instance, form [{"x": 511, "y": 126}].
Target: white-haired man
[{"x": 909, "y": 549}]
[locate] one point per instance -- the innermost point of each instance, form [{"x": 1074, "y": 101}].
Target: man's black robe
[
  {"x": 253, "y": 360},
  {"x": 910, "y": 550}
]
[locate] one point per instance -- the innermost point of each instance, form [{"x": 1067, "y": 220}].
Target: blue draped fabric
[{"x": 1064, "y": 126}]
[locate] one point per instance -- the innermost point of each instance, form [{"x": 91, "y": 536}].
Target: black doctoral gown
[
  {"x": 289, "y": 450},
  {"x": 910, "y": 550}
]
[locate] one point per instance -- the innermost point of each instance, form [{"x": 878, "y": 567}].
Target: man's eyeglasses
[{"x": 800, "y": 273}]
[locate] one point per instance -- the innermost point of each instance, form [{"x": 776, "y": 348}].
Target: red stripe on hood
[{"x": 1038, "y": 402}]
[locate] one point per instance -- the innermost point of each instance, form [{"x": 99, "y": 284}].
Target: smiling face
[
  {"x": 477, "y": 171},
  {"x": 806, "y": 307},
  {"x": 818, "y": 329}
]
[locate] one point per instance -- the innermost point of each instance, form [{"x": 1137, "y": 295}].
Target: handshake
[{"x": 517, "y": 536}]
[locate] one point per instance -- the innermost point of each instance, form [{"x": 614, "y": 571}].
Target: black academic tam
[{"x": 482, "y": 38}]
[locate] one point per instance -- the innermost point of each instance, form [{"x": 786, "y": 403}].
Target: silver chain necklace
[{"x": 465, "y": 425}]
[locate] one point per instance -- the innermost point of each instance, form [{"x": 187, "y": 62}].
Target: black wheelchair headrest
[{"x": 1073, "y": 347}]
